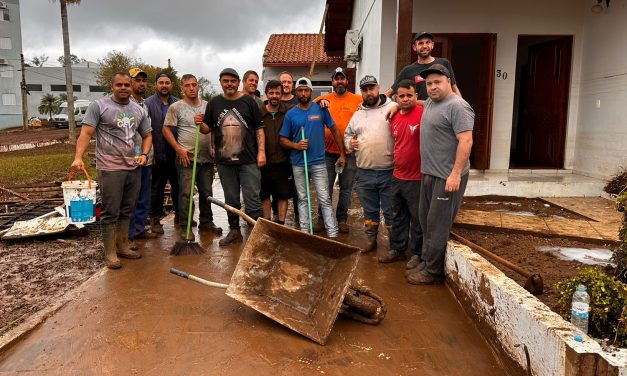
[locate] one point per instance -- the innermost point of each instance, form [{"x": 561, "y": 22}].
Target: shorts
[{"x": 277, "y": 181}]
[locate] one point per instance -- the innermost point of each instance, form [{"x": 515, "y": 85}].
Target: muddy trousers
[
  {"x": 405, "y": 200},
  {"x": 161, "y": 174},
  {"x": 119, "y": 191},
  {"x": 140, "y": 217},
  {"x": 248, "y": 177},
  {"x": 438, "y": 209},
  {"x": 204, "y": 183}
]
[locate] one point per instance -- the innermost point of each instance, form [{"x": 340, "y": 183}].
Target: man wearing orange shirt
[{"x": 342, "y": 106}]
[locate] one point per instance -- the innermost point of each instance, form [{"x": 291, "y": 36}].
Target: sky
[{"x": 200, "y": 37}]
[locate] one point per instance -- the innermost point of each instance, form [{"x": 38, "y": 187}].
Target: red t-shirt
[{"x": 406, "y": 132}]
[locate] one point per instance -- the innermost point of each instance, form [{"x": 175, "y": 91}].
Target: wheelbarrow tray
[{"x": 294, "y": 278}]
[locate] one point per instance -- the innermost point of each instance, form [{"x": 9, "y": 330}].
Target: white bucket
[{"x": 80, "y": 201}]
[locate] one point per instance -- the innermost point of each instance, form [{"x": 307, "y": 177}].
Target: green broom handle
[
  {"x": 302, "y": 135},
  {"x": 191, "y": 194}
]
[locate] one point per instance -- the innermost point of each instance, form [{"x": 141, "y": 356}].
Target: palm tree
[
  {"x": 49, "y": 105},
  {"x": 68, "y": 67}
]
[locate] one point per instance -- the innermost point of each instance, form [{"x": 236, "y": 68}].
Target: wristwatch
[{"x": 144, "y": 154}]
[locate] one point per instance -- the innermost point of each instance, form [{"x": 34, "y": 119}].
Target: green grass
[{"x": 40, "y": 165}]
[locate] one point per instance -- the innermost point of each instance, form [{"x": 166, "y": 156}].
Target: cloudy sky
[{"x": 200, "y": 37}]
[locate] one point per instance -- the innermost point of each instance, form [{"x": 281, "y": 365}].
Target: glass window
[
  {"x": 96, "y": 89},
  {"x": 9, "y": 99},
  {"x": 6, "y": 71},
  {"x": 5, "y": 15},
  {"x": 34, "y": 87}
]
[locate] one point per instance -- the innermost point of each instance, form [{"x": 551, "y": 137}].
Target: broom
[
  {"x": 187, "y": 246},
  {"x": 302, "y": 135}
]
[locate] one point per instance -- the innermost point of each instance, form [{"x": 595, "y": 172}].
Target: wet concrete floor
[{"x": 141, "y": 320}]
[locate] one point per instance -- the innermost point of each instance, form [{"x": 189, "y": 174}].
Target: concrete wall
[
  {"x": 602, "y": 131},
  {"x": 11, "y": 116}
]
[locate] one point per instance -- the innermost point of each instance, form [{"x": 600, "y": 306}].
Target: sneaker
[
  {"x": 211, "y": 227},
  {"x": 343, "y": 227},
  {"x": 319, "y": 226},
  {"x": 234, "y": 235},
  {"x": 128, "y": 254},
  {"x": 413, "y": 262},
  {"x": 420, "y": 267},
  {"x": 133, "y": 246},
  {"x": 423, "y": 277},
  {"x": 389, "y": 256}
]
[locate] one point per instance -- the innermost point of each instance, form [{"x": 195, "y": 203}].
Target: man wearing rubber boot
[
  {"x": 115, "y": 121},
  {"x": 405, "y": 191},
  {"x": 445, "y": 145},
  {"x": 368, "y": 135}
]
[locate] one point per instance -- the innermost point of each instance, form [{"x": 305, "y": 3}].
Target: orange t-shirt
[{"x": 341, "y": 110}]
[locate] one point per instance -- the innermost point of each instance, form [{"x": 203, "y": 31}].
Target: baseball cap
[
  {"x": 303, "y": 81},
  {"x": 435, "y": 68},
  {"x": 367, "y": 80},
  {"x": 230, "y": 72},
  {"x": 338, "y": 70},
  {"x": 422, "y": 34},
  {"x": 134, "y": 72}
]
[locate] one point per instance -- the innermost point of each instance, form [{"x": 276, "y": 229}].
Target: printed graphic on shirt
[
  {"x": 418, "y": 78},
  {"x": 125, "y": 120},
  {"x": 313, "y": 117},
  {"x": 412, "y": 128},
  {"x": 231, "y": 123}
]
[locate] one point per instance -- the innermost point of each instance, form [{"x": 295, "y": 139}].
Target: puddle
[
  {"x": 500, "y": 203},
  {"x": 595, "y": 256},
  {"x": 520, "y": 213}
]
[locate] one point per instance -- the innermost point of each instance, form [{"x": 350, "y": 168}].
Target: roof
[{"x": 295, "y": 50}]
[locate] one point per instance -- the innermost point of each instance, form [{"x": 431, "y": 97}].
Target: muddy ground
[
  {"x": 18, "y": 136},
  {"x": 518, "y": 206}
]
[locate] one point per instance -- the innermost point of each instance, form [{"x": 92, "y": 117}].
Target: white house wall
[
  {"x": 602, "y": 130},
  {"x": 11, "y": 115}
]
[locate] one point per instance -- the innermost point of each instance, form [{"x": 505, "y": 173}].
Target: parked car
[{"x": 80, "y": 108}]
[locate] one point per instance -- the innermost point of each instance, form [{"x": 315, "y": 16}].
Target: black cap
[
  {"x": 230, "y": 72},
  {"x": 435, "y": 68},
  {"x": 422, "y": 34},
  {"x": 367, "y": 80},
  {"x": 338, "y": 70}
]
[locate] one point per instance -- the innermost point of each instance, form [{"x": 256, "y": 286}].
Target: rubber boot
[
  {"x": 234, "y": 235},
  {"x": 319, "y": 225},
  {"x": 108, "y": 239},
  {"x": 372, "y": 230},
  {"x": 121, "y": 240}
]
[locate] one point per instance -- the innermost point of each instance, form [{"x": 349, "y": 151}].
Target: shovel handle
[
  {"x": 186, "y": 275},
  {"x": 231, "y": 209}
]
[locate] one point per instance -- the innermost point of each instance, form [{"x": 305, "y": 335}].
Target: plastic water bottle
[
  {"x": 137, "y": 154},
  {"x": 580, "y": 309}
]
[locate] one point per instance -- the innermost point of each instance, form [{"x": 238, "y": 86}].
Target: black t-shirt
[
  {"x": 235, "y": 123},
  {"x": 412, "y": 72}
]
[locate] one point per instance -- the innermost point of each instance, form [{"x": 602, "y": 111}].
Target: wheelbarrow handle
[
  {"x": 231, "y": 209},
  {"x": 186, "y": 275}
]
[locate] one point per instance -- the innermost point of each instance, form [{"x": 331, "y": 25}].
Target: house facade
[
  {"x": 547, "y": 80},
  {"x": 10, "y": 72}
]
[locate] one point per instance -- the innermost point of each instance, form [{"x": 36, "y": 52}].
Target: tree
[
  {"x": 73, "y": 60},
  {"x": 63, "y": 97},
  {"x": 39, "y": 61},
  {"x": 49, "y": 105}
]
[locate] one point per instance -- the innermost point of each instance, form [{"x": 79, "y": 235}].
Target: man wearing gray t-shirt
[
  {"x": 445, "y": 144},
  {"x": 115, "y": 121},
  {"x": 185, "y": 116}
]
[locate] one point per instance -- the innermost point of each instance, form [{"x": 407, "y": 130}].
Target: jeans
[
  {"x": 318, "y": 174},
  {"x": 161, "y": 174},
  {"x": 118, "y": 191},
  {"x": 204, "y": 181},
  {"x": 406, "y": 216},
  {"x": 438, "y": 209},
  {"x": 373, "y": 188},
  {"x": 346, "y": 180},
  {"x": 248, "y": 177},
  {"x": 140, "y": 217}
]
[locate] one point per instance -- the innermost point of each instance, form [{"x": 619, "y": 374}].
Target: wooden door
[{"x": 544, "y": 103}]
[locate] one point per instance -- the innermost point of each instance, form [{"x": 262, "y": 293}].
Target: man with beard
[
  {"x": 287, "y": 81},
  {"x": 276, "y": 176},
  {"x": 311, "y": 118},
  {"x": 235, "y": 120},
  {"x": 137, "y": 229},
  {"x": 116, "y": 120},
  {"x": 342, "y": 106},
  {"x": 163, "y": 167},
  {"x": 445, "y": 145},
  {"x": 250, "y": 83},
  {"x": 422, "y": 44},
  {"x": 368, "y": 134},
  {"x": 185, "y": 116}
]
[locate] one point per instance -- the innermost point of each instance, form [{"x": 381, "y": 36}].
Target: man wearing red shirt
[{"x": 405, "y": 191}]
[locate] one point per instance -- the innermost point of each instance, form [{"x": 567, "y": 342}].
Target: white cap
[{"x": 303, "y": 82}]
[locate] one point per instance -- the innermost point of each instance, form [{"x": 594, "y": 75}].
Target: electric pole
[{"x": 24, "y": 100}]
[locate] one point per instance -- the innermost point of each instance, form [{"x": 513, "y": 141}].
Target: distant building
[
  {"x": 10, "y": 74},
  {"x": 294, "y": 53}
]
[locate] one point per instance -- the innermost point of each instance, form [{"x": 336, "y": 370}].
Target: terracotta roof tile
[{"x": 296, "y": 49}]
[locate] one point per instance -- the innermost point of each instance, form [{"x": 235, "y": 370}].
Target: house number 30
[{"x": 501, "y": 74}]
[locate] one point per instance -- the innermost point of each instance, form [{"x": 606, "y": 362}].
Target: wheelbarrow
[{"x": 299, "y": 280}]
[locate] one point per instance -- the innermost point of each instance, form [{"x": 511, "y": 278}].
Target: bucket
[{"x": 80, "y": 200}]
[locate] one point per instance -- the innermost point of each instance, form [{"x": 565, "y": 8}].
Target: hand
[
  {"x": 354, "y": 143},
  {"x": 261, "y": 159},
  {"x": 452, "y": 182},
  {"x": 302, "y": 145},
  {"x": 198, "y": 118},
  {"x": 77, "y": 165},
  {"x": 392, "y": 112},
  {"x": 341, "y": 161},
  {"x": 324, "y": 103},
  {"x": 183, "y": 155},
  {"x": 142, "y": 160}
]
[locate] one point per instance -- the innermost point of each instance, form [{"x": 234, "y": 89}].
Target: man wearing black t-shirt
[
  {"x": 422, "y": 45},
  {"x": 239, "y": 140}
]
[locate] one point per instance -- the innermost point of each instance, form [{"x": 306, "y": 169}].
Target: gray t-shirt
[
  {"x": 441, "y": 122},
  {"x": 181, "y": 116},
  {"x": 116, "y": 128}
]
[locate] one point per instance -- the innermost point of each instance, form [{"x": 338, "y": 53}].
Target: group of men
[{"x": 408, "y": 158}]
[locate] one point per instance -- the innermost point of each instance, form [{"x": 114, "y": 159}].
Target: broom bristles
[{"x": 186, "y": 247}]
